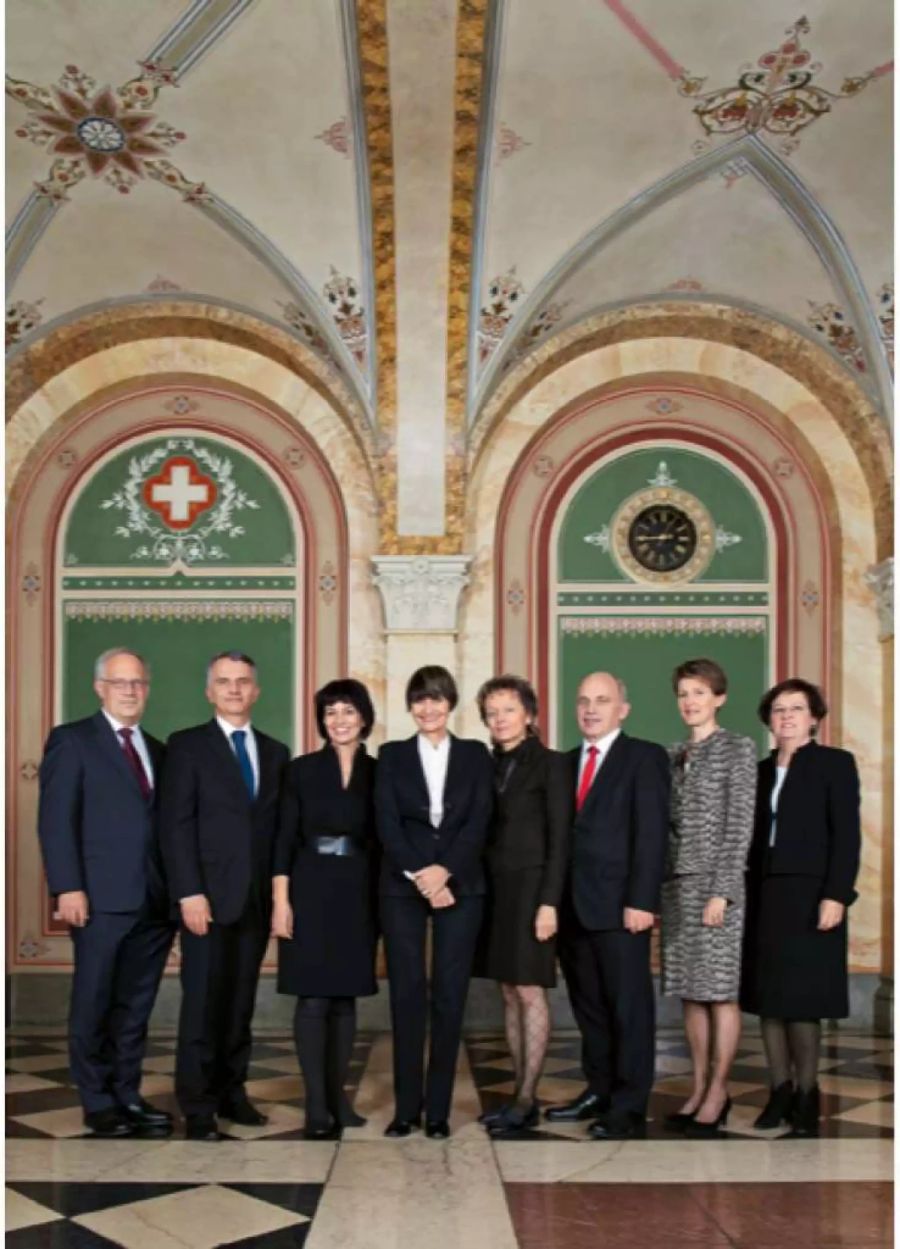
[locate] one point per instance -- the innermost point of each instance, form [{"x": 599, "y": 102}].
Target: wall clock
[{"x": 663, "y": 536}]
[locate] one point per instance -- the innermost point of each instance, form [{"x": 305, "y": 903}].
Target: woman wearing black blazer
[
  {"x": 323, "y": 899},
  {"x": 433, "y": 803},
  {"x": 802, "y": 867},
  {"x": 527, "y": 854}
]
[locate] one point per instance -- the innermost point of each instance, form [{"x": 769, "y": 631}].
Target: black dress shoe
[
  {"x": 402, "y": 1127},
  {"x": 618, "y": 1128},
  {"x": 146, "y": 1119},
  {"x": 322, "y": 1132},
  {"x": 201, "y": 1128},
  {"x": 678, "y": 1121},
  {"x": 107, "y": 1124},
  {"x": 586, "y": 1105},
  {"x": 242, "y": 1111},
  {"x": 488, "y": 1118},
  {"x": 437, "y": 1129},
  {"x": 515, "y": 1119}
]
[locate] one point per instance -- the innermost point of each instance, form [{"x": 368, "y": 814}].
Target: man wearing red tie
[
  {"x": 97, "y": 827},
  {"x": 618, "y": 855}
]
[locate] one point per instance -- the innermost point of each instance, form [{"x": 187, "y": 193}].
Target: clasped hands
[{"x": 431, "y": 883}]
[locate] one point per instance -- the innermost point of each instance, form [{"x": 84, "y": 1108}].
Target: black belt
[{"x": 343, "y": 846}]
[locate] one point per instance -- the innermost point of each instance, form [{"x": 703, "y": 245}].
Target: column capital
[
  {"x": 421, "y": 592},
  {"x": 880, "y": 579}
]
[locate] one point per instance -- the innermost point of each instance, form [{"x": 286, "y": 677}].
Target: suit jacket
[
  {"x": 97, "y": 831},
  {"x": 817, "y": 829},
  {"x": 619, "y": 836},
  {"x": 534, "y": 805},
  {"x": 402, "y": 814},
  {"x": 216, "y": 839}
]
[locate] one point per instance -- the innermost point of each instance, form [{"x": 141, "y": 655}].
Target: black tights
[
  {"x": 792, "y": 1050},
  {"x": 324, "y": 1028}
]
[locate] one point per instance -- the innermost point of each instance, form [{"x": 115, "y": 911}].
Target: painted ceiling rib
[
  {"x": 25, "y": 232},
  {"x": 350, "y": 38},
  {"x": 198, "y": 29},
  {"x": 487, "y": 123}
]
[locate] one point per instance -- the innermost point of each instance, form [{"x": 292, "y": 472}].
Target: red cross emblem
[{"x": 179, "y": 492}]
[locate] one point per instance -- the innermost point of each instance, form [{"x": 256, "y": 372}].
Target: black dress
[
  {"x": 332, "y": 952},
  {"x": 527, "y": 851},
  {"x": 792, "y": 970}
]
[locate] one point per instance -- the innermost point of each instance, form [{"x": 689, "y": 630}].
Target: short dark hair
[
  {"x": 237, "y": 657},
  {"x": 706, "y": 670},
  {"x": 432, "y": 681},
  {"x": 509, "y": 684},
  {"x": 794, "y": 685},
  {"x": 344, "y": 690}
]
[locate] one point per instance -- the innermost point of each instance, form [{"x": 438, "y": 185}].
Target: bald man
[{"x": 618, "y": 855}]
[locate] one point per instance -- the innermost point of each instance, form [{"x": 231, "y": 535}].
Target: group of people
[{"x": 518, "y": 857}]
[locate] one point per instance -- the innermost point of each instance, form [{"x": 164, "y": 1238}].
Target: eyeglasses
[{"x": 121, "y": 686}]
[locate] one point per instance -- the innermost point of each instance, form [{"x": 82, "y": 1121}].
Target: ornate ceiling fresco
[{"x": 425, "y": 191}]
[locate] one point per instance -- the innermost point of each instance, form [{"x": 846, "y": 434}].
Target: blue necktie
[{"x": 240, "y": 749}]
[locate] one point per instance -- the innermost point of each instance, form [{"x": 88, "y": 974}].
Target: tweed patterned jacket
[{"x": 712, "y": 811}]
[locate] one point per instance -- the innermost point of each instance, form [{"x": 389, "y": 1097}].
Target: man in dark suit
[
  {"x": 96, "y": 823},
  {"x": 433, "y": 797},
  {"x": 619, "y": 842},
  {"x": 218, "y": 816}
]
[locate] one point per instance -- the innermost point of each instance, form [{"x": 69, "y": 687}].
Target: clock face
[{"x": 662, "y": 538}]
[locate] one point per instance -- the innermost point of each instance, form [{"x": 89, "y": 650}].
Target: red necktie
[
  {"x": 134, "y": 759},
  {"x": 586, "y": 777}
]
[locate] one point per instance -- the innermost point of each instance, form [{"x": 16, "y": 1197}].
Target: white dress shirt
[
  {"x": 602, "y": 746},
  {"x": 249, "y": 742},
  {"x": 137, "y": 740},
  {"x": 780, "y": 774},
  {"x": 434, "y": 765}
]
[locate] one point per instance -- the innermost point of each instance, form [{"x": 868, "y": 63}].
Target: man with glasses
[
  {"x": 219, "y": 812},
  {"x": 97, "y": 828}
]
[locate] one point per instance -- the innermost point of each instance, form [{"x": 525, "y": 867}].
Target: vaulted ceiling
[{"x": 423, "y": 191}]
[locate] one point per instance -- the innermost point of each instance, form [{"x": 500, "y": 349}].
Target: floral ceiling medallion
[
  {"x": 505, "y": 293},
  {"x": 776, "y": 96}
]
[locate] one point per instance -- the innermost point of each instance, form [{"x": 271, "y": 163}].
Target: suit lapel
[
  {"x": 220, "y": 747},
  {"x": 267, "y": 770},
  {"x": 416, "y": 772},
  {"x": 455, "y": 774},
  {"x": 606, "y": 778},
  {"x": 112, "y": 749}
]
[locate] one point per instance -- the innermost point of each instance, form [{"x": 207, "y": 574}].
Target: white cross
[{"x": 179, "y": 493}]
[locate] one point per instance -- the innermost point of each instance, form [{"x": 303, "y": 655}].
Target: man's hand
[
  {"x": 196, "y": 915},
  {"x": 431, "y": 880},
  {"x": 714, "y": 913},
  {"x": 637, "y": 921},
  {"x": 72, "y": 908},
  {"x": 442, "y": 898},
  {"x": 830, "y": 914},
  {"x": 282, "y": 920},
  {"x": 545, "y": 923}
]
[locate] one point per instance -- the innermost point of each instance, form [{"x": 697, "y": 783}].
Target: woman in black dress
[
  {"x": 526, "y": 855},
  {"x": 803, "y": 863},
  {"x": 323, "y": 908}
]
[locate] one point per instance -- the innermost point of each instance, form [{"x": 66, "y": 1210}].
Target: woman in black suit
[
  {"x": 527, "y": 853},
  {"x": 323, "y": 909},
  {"x": 802, "y": 867},
  {"x": 433, "y": 803}
]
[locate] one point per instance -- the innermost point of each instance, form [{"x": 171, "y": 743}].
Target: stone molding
[
  {"x": 880, "y": 579},
  {"x": 421, "y": 592}
]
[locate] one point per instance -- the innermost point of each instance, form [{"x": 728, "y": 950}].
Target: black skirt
[
  {"x": 792, "y": 970},
  {"x": 332, "y": 952},
  {"x": 511, "y": 953}
]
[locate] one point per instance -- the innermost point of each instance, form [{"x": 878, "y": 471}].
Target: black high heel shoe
[
  {"x": 678, "y": 1121},
  {"x": 695, "y": 1131}
]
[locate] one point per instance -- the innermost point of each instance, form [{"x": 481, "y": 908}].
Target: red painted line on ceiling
[
  {"x": 886, "y": 68},
  {"x": 644, "y": 38}
]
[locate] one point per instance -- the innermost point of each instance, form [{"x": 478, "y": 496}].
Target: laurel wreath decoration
[{"x": 198, "y": 546}]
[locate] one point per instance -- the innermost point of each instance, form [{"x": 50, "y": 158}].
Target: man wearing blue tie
[{"x": 218, "y": 815}]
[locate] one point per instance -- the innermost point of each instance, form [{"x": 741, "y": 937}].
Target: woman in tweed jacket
[{"x": 713, "y": 792}]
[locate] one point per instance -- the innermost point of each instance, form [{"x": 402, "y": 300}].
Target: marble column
[
  {"x": 421, "y": 597},
  {"x": 880, "y": 579}
]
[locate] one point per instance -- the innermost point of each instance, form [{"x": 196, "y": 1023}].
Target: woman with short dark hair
[
  {"x": 323, "y": 908},
  {"x": 801, "y": 874},
  {"x": 433, "y": 802}
]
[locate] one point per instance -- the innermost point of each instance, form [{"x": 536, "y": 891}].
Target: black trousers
[
  {"x": 119, "y": 961},
  {"x": 611, "y": 991},
  {"x": 454, "y": 933},
  {"x": 219, "y": 975}
]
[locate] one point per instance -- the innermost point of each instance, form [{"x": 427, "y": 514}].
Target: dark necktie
[
  {"x": 239, "y": 737},
  {"x": 134, "y": 759},
  {"x": 587, "y": 777}
]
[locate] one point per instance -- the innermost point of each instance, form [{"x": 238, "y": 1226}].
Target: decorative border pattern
[
  {"x": 190, "y": 612},
  {"x": 685, "y": 626}
]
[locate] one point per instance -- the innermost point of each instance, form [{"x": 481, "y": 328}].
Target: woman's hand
[
  {"x": 282, "y": 919},
  {"x": 545, "y": 923},
  {"x": 830, "y": 914},
  {"x": 442, "y": 898},
  {"x": 714, "y": 913},
  {"x": 431, "y": 880}
]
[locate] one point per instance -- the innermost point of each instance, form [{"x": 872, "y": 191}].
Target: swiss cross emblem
[{"x": 179, "y": 492}]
